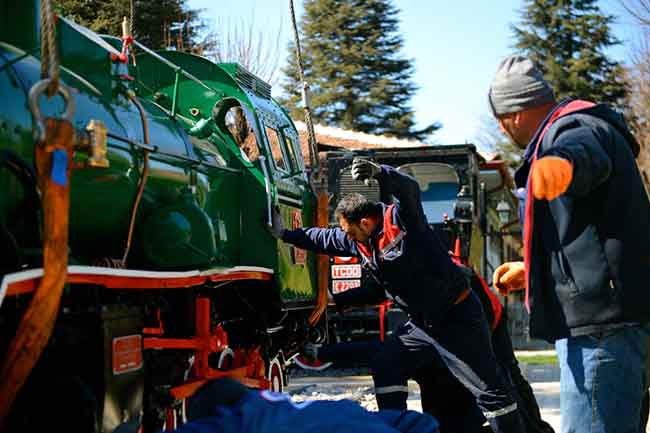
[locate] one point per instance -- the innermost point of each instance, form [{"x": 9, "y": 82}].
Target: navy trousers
[{"x": 462, "y": 340}]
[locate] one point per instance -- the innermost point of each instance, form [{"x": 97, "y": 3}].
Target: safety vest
[{"x": 569, "y": 108}]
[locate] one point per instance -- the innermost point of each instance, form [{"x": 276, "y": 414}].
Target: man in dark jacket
[
  {"x": 586, "y": 246},
  {"x": 398, "y": 249},
  {"x": 226, "y": 406}
]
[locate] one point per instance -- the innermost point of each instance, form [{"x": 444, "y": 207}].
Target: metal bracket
[{"x": 94, "y": 141}]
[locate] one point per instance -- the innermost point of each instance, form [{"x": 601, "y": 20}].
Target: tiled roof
[{"x": 328, "y": 137}]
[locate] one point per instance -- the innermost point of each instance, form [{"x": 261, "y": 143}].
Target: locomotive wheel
[{"x": 275, "y": 374}]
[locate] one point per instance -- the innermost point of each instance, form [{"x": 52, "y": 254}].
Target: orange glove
[
  {"x": 509, "y": 277},
  {"x": 552, "y": 176}
]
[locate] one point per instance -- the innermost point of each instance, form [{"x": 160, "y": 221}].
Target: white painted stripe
[
  {"x": 32, "y": 274},
  {"x": 389, "y": 389},
  {"x": 500, "y": 412}
]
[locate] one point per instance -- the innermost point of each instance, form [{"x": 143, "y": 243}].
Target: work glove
[
  {"x": 276, "y": 228},
  {"x": 509, "y": 277},
  {"x": 363, "y": 169},
  {"x": 552, "y": 176}
]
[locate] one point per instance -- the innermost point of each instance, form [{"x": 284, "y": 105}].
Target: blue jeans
[{"x": 602, "y": 380}]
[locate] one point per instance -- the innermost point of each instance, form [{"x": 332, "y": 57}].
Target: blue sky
[{"x": 456, "y": 46}]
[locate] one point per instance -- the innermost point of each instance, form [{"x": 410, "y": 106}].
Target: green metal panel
[{"x": 204, "y": 203}]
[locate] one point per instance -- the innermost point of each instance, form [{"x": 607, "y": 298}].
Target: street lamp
[{"x": 503, "y": 211}]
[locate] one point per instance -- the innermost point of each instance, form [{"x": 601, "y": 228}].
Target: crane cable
[
  {"x": 316, "y": 181},
  {"x": 306, "y": 99},
  {"x": 49, "y": 54}
]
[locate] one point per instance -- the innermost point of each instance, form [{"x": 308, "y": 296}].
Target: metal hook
[{"x": 34, "y": 93}]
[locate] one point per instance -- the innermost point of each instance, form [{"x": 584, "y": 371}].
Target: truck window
[
  {"x": 439, "y": 184},
  {"x": 275, "y": 141}
]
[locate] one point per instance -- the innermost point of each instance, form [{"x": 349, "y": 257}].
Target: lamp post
[{"x": 503, "y": 212}]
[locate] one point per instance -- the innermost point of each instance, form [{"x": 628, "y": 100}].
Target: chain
[{"x": 49, "y": 54}]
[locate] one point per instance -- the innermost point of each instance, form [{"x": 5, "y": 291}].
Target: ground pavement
[{"x": 544, "y": 379}]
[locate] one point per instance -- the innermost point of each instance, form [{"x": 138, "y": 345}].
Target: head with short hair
[
  {"x": 358, "y": 216},
  {"x": 520, "y": 98}
]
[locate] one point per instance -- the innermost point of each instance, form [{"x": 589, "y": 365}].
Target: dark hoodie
[
  {"x": 590, "y": 264},
  {"x": 225, "y": 406}
]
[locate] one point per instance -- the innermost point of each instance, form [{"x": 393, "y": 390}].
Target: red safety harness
[
  {"x": 497, "y": 308},
  {"x": 569, "y": 108}
]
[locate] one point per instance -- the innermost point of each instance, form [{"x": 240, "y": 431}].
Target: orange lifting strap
[{"x": 53, "y": 162}]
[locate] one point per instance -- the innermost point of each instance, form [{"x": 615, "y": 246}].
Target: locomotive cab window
[
  {"x": 278, "y": 154},
  {"x": 293, "y": 150},
  {"x": 239, "y": 123}
]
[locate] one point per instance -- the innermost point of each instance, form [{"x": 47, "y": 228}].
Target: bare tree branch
[
  {"x": 638, "y": 9},
  {"x": 256, "y": 49},
  {"x": 638, "y": 78}
]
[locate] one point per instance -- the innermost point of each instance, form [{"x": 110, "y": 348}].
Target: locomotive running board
[{"x": 131, "y": 279}]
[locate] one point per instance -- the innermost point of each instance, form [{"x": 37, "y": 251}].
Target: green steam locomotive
[{"x": 172, "y": 278}]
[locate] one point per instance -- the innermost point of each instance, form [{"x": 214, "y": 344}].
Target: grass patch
[{"x": 538, "y": 359}]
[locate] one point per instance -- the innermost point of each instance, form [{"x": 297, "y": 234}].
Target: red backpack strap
[
  {"x": 497, "y": 308},
  {"x": 565, "y": 110}
]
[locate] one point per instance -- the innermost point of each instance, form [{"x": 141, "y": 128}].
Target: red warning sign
[{"x": 127, "y": 354}]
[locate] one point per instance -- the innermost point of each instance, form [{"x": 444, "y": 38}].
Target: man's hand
[
  {"x": 277, "y": 226},
  {"x": 363, "y": 169},
  {"x": 552, "y": 176},
  {"x": 509, "y": 277}
]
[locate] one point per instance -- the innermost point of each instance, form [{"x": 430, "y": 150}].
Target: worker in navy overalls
[{"x": 399, "y": 249}]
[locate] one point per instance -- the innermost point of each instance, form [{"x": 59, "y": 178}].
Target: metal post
[
  {"x": 502, "y": 259},
  {"x": 177, "y": 80}
]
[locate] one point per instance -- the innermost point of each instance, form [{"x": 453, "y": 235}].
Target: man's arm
[
  {"x": 407, "y": 191},
  {"x": 331, "y": 241},
  {"x": 591, "y": 164}
]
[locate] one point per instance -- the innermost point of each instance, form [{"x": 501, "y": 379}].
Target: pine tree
[
  {"x": 158, "y": 23},
  {"x": 567, "y": 39},
  {"x": 358, "y": 78}
]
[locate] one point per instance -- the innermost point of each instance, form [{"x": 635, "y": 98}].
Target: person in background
[{"x": 586, "y": 261}]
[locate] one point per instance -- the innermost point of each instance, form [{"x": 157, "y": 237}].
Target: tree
[
  {"x": 638, "y": 102},
  {"x": 491, "y": 139},
  {"x": 257, "y": 50},
  {"x": 158, "y": 23},
  {"x": 358, "y": 78},
  {"x": 567, "y": 39}
]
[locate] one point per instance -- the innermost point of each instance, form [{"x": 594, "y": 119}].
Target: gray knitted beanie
[{"x": 518, "y": 85}]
